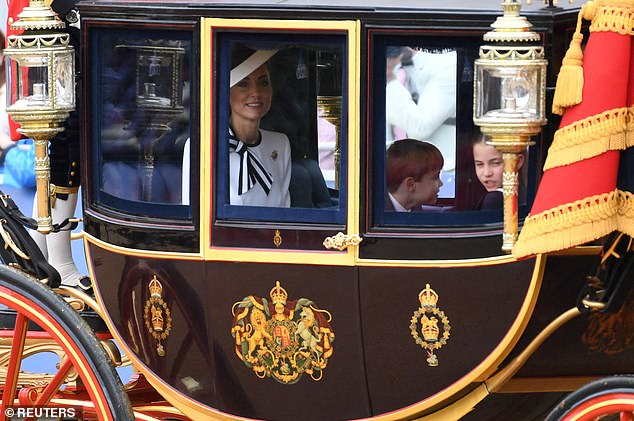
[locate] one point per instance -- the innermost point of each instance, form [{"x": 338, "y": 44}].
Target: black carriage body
[{"x": 184, "y": 277}]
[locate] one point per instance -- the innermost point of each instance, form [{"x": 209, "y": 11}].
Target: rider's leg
[
  {"x": 57, "y": 246},
  {"x": 60, "y": 254}
]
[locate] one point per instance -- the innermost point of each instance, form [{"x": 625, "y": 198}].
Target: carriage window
[
  {"x": 280, "y": 133},
  {"x": 420, "y": 103},
  {"x": 431, "y": 165},
  {"x": 142, "y": 81}
]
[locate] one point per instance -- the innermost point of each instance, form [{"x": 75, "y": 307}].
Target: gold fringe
[
  {"x": 618, "y": 3},
  {"x": 629, "y": 129},
  {"x": 614, "y": 18},
  {"x": 569, "y": 225},
  {"x": 590, "y": 137},
  {"x": 577, "y": 223},
  {"x": 626, "y": 213}
]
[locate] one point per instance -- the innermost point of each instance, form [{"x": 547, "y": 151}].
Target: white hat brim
[{"x": 249, "y": 65}]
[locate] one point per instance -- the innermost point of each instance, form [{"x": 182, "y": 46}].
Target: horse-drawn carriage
[{"x": 331, "y": 308}]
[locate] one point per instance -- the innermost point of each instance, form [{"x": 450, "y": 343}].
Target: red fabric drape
[{"x": 578, "y": 199}]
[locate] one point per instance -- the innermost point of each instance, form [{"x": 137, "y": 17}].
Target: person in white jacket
[{"x": 259, "y": 160}]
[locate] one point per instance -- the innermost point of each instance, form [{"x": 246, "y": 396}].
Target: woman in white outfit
[{"x": 259, "y": 160}]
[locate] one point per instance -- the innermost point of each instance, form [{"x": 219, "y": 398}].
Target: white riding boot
[{"x": 56, "y": 247}]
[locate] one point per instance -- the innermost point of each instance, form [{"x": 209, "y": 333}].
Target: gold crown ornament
[
  {"x": 155, "y": 287},
  {"x": 428, "y": 298},
  {"x": 278, "y": 294}
]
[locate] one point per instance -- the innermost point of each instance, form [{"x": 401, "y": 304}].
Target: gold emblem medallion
[
  {"x": 277, "y": 238},
  {"x": 157, "y": 315},
  {"x": 282, "y": 339},
  {"x": 425, "y": 321}
]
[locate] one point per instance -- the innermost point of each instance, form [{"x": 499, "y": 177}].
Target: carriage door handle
[{"x": 341, "y": 241}]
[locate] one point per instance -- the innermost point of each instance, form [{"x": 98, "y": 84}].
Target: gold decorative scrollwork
[
  {"x": 342, "y": 241},
  {"x": 157, "y": 315}
]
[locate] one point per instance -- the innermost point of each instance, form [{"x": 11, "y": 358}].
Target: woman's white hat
[{"x": 249, "y": 65}]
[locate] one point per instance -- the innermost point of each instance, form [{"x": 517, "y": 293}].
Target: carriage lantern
[
  {"x": 158, "y": 99},
  {"x": 40, "y": 89},
  {"x": 509, "y": 99}
]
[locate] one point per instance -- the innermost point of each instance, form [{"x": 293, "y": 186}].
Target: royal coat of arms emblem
[
  {"x": 280, "y": 338},
  {"x": 429, "y": 325}
]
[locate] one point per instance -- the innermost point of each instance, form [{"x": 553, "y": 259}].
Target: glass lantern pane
[
  {"x": 64, "y": 81},
  {"x": 30, "y": 85},
  {"x": 510, "y": 92},
  {"x": 539, "y": 74},
  {"x": 479, "y": 91},
  {"x": 11, "y": 85}
]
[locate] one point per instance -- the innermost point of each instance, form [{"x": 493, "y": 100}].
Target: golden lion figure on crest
[{"x": 280, "y": 338}]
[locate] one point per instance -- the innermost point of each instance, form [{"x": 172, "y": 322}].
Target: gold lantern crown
[{"x": 37, "y": 16}]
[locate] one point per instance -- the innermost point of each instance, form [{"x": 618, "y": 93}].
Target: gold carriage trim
[
  {"x": 576, "y": 223},
  {"x": 592, "y": 136},
  {"x": 606, "y": 16}
]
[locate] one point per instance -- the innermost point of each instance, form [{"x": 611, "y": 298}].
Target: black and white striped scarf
[{"x": 251, "y": 169}]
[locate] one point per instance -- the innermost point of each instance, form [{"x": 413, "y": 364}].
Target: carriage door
[
  {"x": 282, "y": 208},
  {"x": 286, "y": 196}
]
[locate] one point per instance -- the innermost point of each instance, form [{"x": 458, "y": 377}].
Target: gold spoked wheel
[{"x": 85, "y": 384}]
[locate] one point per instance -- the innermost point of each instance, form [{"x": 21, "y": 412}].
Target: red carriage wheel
[
  {"x": 605, "y": 399},
  {"x": 619, "y": 405},
  {"x": 38, "y": 311}
]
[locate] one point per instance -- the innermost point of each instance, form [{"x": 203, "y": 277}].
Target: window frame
[
  {"x": 304, "y": 235},
  {"x": 451, "y": 223},
  {"x": 111, "y": 205},
  {"x": 226, "y": 212}
]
